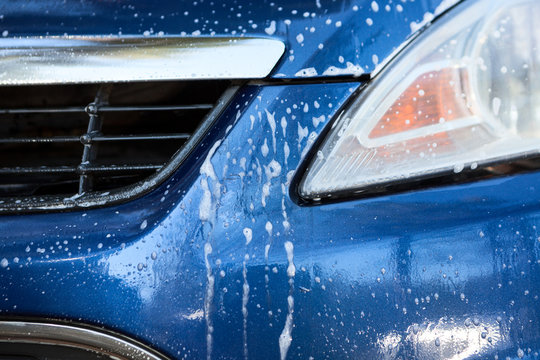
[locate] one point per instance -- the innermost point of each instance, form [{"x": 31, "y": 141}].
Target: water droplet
[{"x": 144, "y": 224}]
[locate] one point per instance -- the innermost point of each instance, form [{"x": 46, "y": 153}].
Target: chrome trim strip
[
  {"x": 75, "y": 337},
  {"x": 94, "y": 59}
]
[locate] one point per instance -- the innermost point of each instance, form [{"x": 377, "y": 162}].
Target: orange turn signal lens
[{"x": 432, "y": 98}]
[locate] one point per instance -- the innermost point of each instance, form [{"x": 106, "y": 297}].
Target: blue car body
[{"x": 222, "y": 259}]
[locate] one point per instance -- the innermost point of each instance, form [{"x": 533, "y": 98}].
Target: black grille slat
[
  {"x": 155, "y": 108},
  {"x": 43, "y": 110},
  {"x": 153, "y": 137},
  {"x": 39, "y": 140},
  {"x": 79, "y": 169},
  {"x": 65, "y": 139},
  {"x": 97, "y": 137},
  {"x": 119, "y": 168},
  {"x": 103, "y": 109},
  {"x": 38, "y": 170}
]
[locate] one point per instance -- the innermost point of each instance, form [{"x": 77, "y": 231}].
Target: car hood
[{"x": 363, "y": 32}]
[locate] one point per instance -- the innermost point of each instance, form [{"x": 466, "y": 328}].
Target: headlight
[{"x": 459, "y": 96}]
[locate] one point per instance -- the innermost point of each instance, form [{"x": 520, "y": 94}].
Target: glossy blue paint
[
  {"x": 320, "y": 34},
  {"x": 452, "y": 272},
  {"x": 395, "y": 274}
]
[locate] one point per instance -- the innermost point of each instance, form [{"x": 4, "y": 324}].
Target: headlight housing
[{"x": 461, "y": 95}]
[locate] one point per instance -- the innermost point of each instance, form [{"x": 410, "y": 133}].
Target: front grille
[{"x": 62, "y": 144}]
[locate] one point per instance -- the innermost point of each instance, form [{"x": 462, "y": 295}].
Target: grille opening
[{"x": 73, "y": 140}]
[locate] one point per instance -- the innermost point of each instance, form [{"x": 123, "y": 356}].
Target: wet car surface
[{"x": 224, "y": 259}]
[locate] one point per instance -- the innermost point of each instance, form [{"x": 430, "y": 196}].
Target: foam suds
[
  {"x": 245, "y": 299},
  {"x": 291, "y": 269},
  {"x": 318, "y": 120},
  {"x": 268, "y": 228},
  {"x": 350, "y": 69},
  {"x": 207, "y": 168},
  {"x": 207, "y": 214},
  {"x": 286, "y": 224},
  {"x": 248, "y": 234},
  {"x": 272, "y": 122},
  {"x": 428, "y": 17},
  {"x": 303, "y": 132},
  {"x": 205, "y": 206},
  {"x": 284, "y": 126},
  {"x": 264, "y": 148},
  {"x": 208, "y": 300},
  {"x": 266, "y": 252},
  {"x": 272, "y": 170},
  {"x": 285, "y": 339},
  {"x": 270, "y": 30},
  {"x": 307, "y": 72}
]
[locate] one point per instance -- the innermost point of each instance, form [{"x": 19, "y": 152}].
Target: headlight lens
[{"x": 464, "y": 93}]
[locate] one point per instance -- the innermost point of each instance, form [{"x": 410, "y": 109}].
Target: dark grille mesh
[{"x": 77, "y": 139}]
